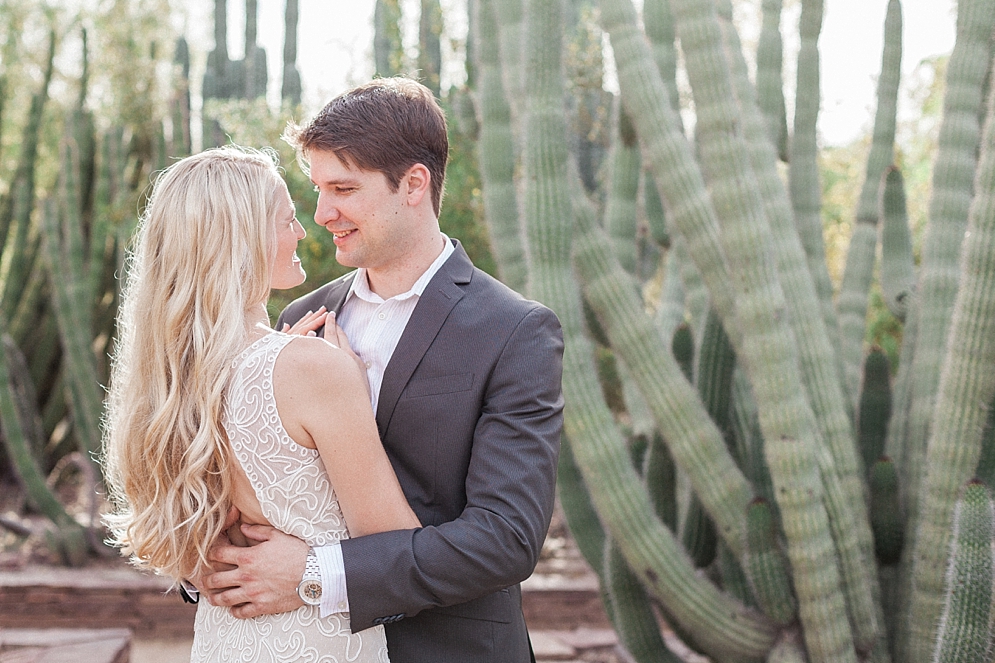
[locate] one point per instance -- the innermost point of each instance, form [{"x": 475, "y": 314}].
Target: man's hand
[
  {"x": 264, "y": 577},
  {"x": 335, "y": 335}
]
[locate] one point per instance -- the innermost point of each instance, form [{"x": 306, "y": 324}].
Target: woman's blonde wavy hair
[{"x": 201, "y": 259}]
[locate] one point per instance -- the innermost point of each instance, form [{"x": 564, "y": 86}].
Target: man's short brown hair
[{"x": 386, "y": 125}]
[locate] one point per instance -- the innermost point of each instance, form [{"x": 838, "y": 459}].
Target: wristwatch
[{"x": 310, "y": 587}]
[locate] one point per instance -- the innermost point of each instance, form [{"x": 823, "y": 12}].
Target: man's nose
[{"x": 325, "y": 211}]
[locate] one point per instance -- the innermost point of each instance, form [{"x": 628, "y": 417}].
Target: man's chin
[{"x": 347, "y": 259}]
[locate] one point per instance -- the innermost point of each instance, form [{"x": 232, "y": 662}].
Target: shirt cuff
[{"x": 334, "y": 596}]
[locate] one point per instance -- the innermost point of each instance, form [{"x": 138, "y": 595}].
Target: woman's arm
[{"x": 323, "y": 401}]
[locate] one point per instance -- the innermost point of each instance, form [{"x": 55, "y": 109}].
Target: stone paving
[{"x": 561, "y": 602}]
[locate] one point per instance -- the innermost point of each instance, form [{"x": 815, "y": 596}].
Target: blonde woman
[{"x": 210, "y": 408}]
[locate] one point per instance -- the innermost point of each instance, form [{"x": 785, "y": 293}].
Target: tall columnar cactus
[
  {"x": 620, "y": 208},
  {"x": 67, "y": 269},
  {"x": 15, "y": 214},
  {"x": 803, "y": 173},
  {"x": 511, "y": 30},
  {"x": 936, "y": 288},
  {"x": 840, "y": 468},
  {"x": 967, "y": 387},
  {"x": 181, "y": 144},
  {"x": 860, "y": 256},
  {"x": 770, "y": 86},
  {"x": 966, "y": 625},
  {"x": 898, "y": 276},
  {"x": 632, "y": 612},
  {"x": 291, "y": 89},
  {"x": 793, "y": 440},
  {"x": 217, "y": 78},
  {"x": 254, "y": 71},
  {"x": 429, "y": 47},
  {"x": 16, "y": 437},
  {"x": 388, "y": 52},
  {"x": 497, "y": 150},
  {"x": 875, "y": 406},
  {"x": 767, "y": 566}
]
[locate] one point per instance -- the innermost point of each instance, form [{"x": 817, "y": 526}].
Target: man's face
[{"x": 368, "y": 220}]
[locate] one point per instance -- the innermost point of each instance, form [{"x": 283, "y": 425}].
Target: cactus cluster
[
  {"x": 63, "y": 237},
  {"x": 772, "y": 447}
]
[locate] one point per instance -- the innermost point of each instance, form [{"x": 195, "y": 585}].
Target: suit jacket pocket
[
  {"x": 444, "y": 384},
  {"x": 496, "y": 607}
]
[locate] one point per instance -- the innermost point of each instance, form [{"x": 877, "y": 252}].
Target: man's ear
[{"x": 418, "y": 181}]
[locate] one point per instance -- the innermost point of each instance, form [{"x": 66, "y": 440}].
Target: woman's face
[{"x": 287, "y": 271}]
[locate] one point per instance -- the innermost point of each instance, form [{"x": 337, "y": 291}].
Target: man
[{"x": 465, "y": 381}]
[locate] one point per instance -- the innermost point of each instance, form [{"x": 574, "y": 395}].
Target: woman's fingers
[{"x": 308, "y": 325}]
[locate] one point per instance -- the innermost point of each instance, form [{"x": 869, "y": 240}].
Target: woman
[{"x": 210, "y": 408}]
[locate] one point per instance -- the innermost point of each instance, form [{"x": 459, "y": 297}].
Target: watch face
[{"x": 310, "y": 592}]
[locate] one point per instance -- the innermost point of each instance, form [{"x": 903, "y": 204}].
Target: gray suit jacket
[{"x": 470, "y": 414}]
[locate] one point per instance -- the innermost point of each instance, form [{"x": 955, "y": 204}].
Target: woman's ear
[{"x": 418, "y": 181}]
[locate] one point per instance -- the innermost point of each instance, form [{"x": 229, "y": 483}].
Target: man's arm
[
  {"x": 510, "y": 487},
  {"x": 265, "y": 578}
]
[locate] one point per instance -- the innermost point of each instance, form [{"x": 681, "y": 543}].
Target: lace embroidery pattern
[{"x": 296, "y": 497}]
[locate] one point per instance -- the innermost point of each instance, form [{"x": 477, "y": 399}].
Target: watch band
[{"x": 309, "y": 588}]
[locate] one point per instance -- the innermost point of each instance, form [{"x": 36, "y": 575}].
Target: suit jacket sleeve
[{"x": 510, "y": 486}]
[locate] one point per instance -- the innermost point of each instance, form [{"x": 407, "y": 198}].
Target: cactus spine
[{"x": 965, "y": 626}]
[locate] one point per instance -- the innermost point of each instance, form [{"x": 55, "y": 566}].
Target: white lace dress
[{"x": 295, "y": 495}]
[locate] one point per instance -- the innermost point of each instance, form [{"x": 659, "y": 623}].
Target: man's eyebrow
[{"x": 336, "y": 182}]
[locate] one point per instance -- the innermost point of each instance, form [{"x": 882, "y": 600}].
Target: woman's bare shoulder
[{"x": 310, "y": 358}]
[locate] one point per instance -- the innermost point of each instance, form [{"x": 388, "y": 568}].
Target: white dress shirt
[{"x": 374, "y": 327}]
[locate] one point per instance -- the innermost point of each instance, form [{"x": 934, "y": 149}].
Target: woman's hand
[
  {"x": 336, "y": 336},
  {"x": 308, "y": 325}
]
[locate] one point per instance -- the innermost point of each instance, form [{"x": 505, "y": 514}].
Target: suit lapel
[
  {"x": 335, "y": 297},
  {"x": 431, "y": 312}
]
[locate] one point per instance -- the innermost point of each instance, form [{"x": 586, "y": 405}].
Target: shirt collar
[{"x": 360, "y": 286}]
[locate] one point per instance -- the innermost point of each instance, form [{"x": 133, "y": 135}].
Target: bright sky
[{"x": 335, "y": 48}]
